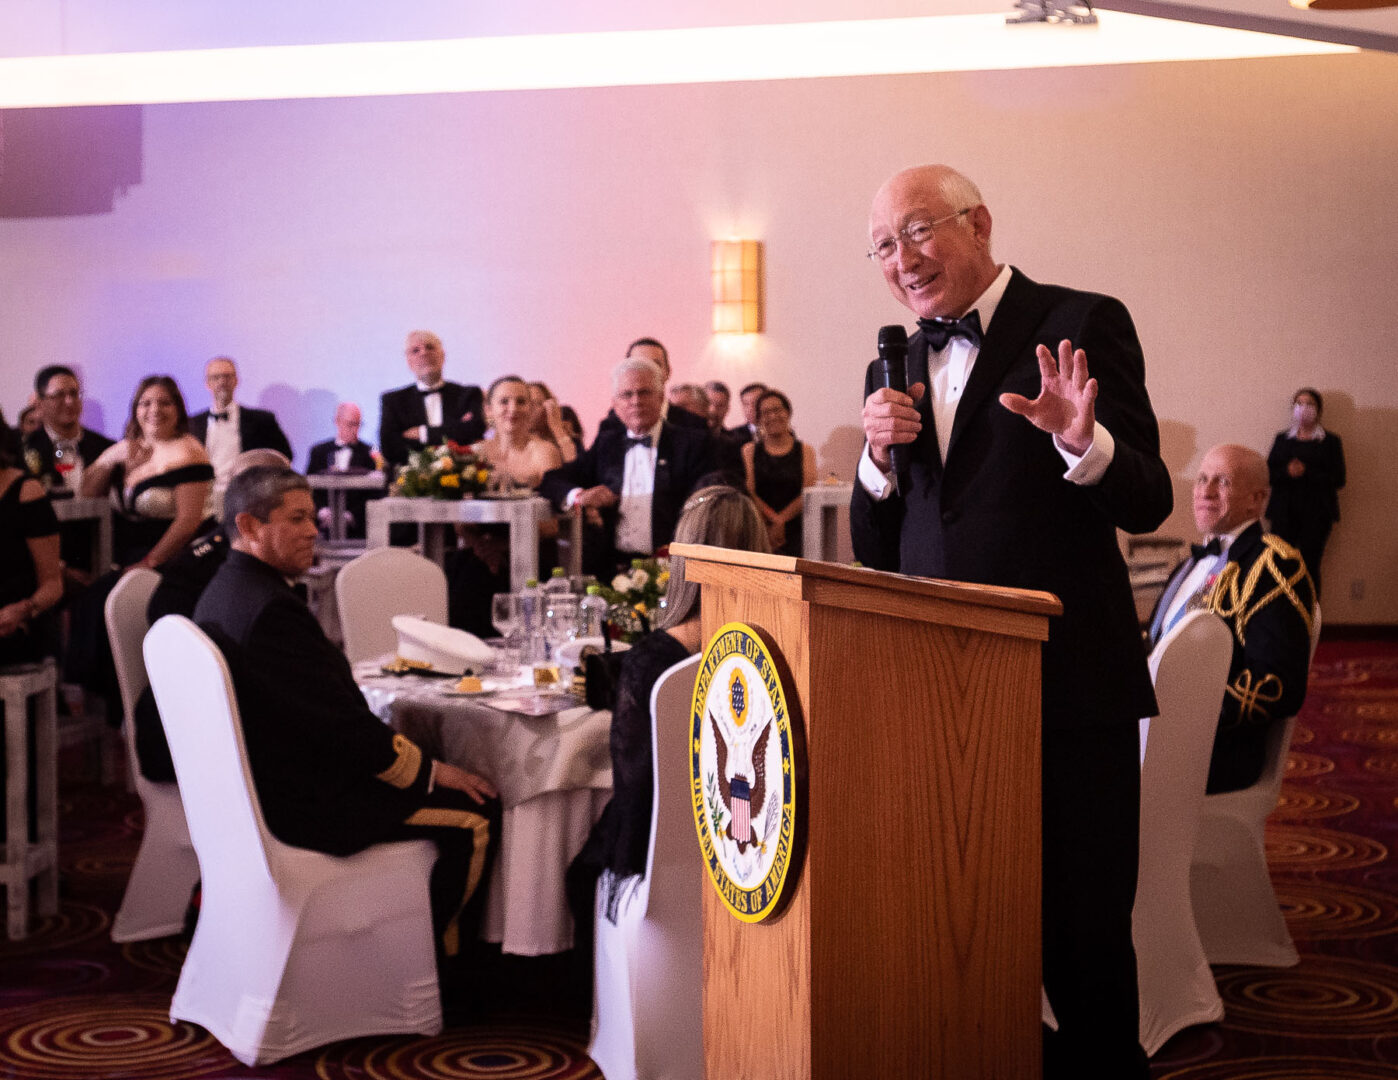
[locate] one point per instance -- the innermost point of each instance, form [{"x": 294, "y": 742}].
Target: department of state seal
[{"x": 743, "y": 773}]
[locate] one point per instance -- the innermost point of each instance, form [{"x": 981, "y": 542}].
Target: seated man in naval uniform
[
  {"x": 1260, "y": 586},
  {"x": 330, "y": 776}
]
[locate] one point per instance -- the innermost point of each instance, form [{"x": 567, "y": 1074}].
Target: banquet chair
[
  {"x": 1235, "y": 906},
  {"x": 1189, "y": 667},
  {"x": 166, "y": 869},
  {"x": 293, "y": 948},
  {"x": 380, "y": 584},
  {"x": 646, "y": 1021}
]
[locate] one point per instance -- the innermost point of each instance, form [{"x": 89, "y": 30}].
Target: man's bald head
[{"x": 1231, "y": 488}]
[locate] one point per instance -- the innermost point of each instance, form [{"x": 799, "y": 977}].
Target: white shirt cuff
[
  {"x": 571, "y": 499},
  {"x": 877, "y": 483},
  {"x": 422, "y": 432},
  {"x": 432, "y": 778},
  {"x": 1089, "y": 468}
]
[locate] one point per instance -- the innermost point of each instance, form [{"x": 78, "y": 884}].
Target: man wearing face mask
[{"x": 1307, "y": 469}]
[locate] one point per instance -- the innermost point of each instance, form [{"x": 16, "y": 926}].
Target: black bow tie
[
  {"x": 425, "y": 393},
  {"x": 218, "y": 415},
  {"x": 939, "y": 331},
  {"x": 1213, "y": 547},
  {"x": 637, "y": 440}
]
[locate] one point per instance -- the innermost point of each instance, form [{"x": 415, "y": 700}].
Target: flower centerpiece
[
  {"x": 450, "y": 471},
  {"x": 636, "y": 596}
]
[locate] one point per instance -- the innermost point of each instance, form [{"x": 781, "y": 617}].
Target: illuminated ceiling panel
[{"x": 624, "y": 58}]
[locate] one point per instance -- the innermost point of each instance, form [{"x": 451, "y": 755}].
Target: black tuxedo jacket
[
  {"x": 741, "y": 434},
  {"x": 463, "y": 419},
  {"x": 90, "y": 446},
  {"x": 999, "y": 511},
  {"x": 329, "y": 774},
  {"x": 257, "y": 429},
  {"x": 322, "y": 456},
  {"x": 320, "y": 460},
  {"x": 683, "y": 458},
  {"x": 1265, "y": 595}
]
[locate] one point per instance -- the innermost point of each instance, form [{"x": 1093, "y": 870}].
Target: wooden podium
[{"x": 910, "y": 945}]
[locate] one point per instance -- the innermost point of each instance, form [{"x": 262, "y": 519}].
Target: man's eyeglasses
[
  {"x": 914, "y": 232},
  {"x": 64, "y": 395}
]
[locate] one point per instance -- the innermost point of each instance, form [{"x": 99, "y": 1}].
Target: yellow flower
[
  {"x": 450, "y": 480},
  {"x": 663, "y": 578},
  {"x": 402, "y": 479},
  {"x": 639, "y": 607},
  {"x": 482, "y": 476}
]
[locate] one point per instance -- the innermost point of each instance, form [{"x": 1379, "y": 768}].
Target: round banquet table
[{"x": 554, "y": 775}]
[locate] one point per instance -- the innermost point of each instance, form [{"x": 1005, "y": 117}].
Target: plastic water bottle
[
  {"x": 531, "y": 618},
  {"x": 592, "y": 614},
  {"x": 558, "y": 584}
]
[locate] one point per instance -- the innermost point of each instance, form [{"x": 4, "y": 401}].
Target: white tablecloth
[{"x": 554, "y": 775}]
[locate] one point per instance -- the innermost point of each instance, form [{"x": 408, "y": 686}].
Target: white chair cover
[
  {"x": 1234, "y": 905},
  {"x": 293, "y": 948},
  {"x": 1190, "y": 669},
  {"x": 380, "y": 584},
  {"x": 647, "y": 1013},
  {"x": 166, "y": 869}
]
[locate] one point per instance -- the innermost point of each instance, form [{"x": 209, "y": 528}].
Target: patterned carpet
[{"x": 75, "y": 1005}]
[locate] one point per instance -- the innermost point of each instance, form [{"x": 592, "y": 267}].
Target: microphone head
[{"x": 892, "y": 337}]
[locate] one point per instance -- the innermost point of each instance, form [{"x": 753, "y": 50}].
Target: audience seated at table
[
  {"x": 31, "y": 576},
  {"x": 632, "y": 481},
  {"x": 345, "y": 453},
  {"x": 59, "y": 447},
  {"x": 228, "y": 428},
  {"x": 747, "y": 397},
  {"x": 616, "y": 847},
  {"x": 429, "y": 411},
  {"x": 183, "y": 579},
  {"x": 57, "y": 451},
  {"x": 160, "y": 481},
  {"x": 1259, "y": 585},
  {"x": 549, "y": 421},
  {"x": 329, "y": 775},
  {"x": 517, "y": 457},
  {"x": 777, "y": 467},
  {"x": 648, "y": 348}
]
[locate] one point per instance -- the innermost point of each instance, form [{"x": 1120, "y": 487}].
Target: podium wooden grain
[{"x": 910, "y": 944}]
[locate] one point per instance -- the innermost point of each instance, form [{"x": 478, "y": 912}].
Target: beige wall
[{"x": 1244, "y": 211}]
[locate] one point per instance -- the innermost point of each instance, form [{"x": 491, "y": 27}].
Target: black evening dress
[
  {"x": 618, "y": 843},
  {"x": 1304, "y": 508},
  {"x": 777, "y": 480},
  {"x": 141, "y": 515},
  {"x": 19, "y": 523}
]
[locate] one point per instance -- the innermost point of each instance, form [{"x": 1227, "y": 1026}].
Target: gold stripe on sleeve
[{"x": 406, "y": 766}]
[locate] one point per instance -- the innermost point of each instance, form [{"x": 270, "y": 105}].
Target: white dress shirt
[
  {"x": 633, "y": 531},
  {"x": 224, "y": 442},
  {"x": 948, "y": 373},
  {"x": 1199, "y": 576}
]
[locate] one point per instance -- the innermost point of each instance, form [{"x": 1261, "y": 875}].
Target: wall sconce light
[{"x": 737, "y": 276}]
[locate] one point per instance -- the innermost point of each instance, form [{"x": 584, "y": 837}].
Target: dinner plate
[{"x": 532, "y": 705}]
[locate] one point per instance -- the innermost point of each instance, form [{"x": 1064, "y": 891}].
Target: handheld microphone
[{"x": 892, "y": 371}]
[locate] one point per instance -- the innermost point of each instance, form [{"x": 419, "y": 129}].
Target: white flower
[
  {"x": 621, "y": 582},
  {"x": 441, "y": 464},
  {"x": 639, "y": 579}
]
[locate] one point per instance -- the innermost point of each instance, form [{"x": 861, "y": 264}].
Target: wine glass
[
  {"x": 560, "y": 625},
  {"x": 506, "y": 617}
]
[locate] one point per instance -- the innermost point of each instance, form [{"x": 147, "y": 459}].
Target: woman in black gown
[
  {"x": 617, "y": 846},
  {"x": 1307, "y": 468},
  {"x": 778, "y": 467},
  {"x": 160, "y": 482}
]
